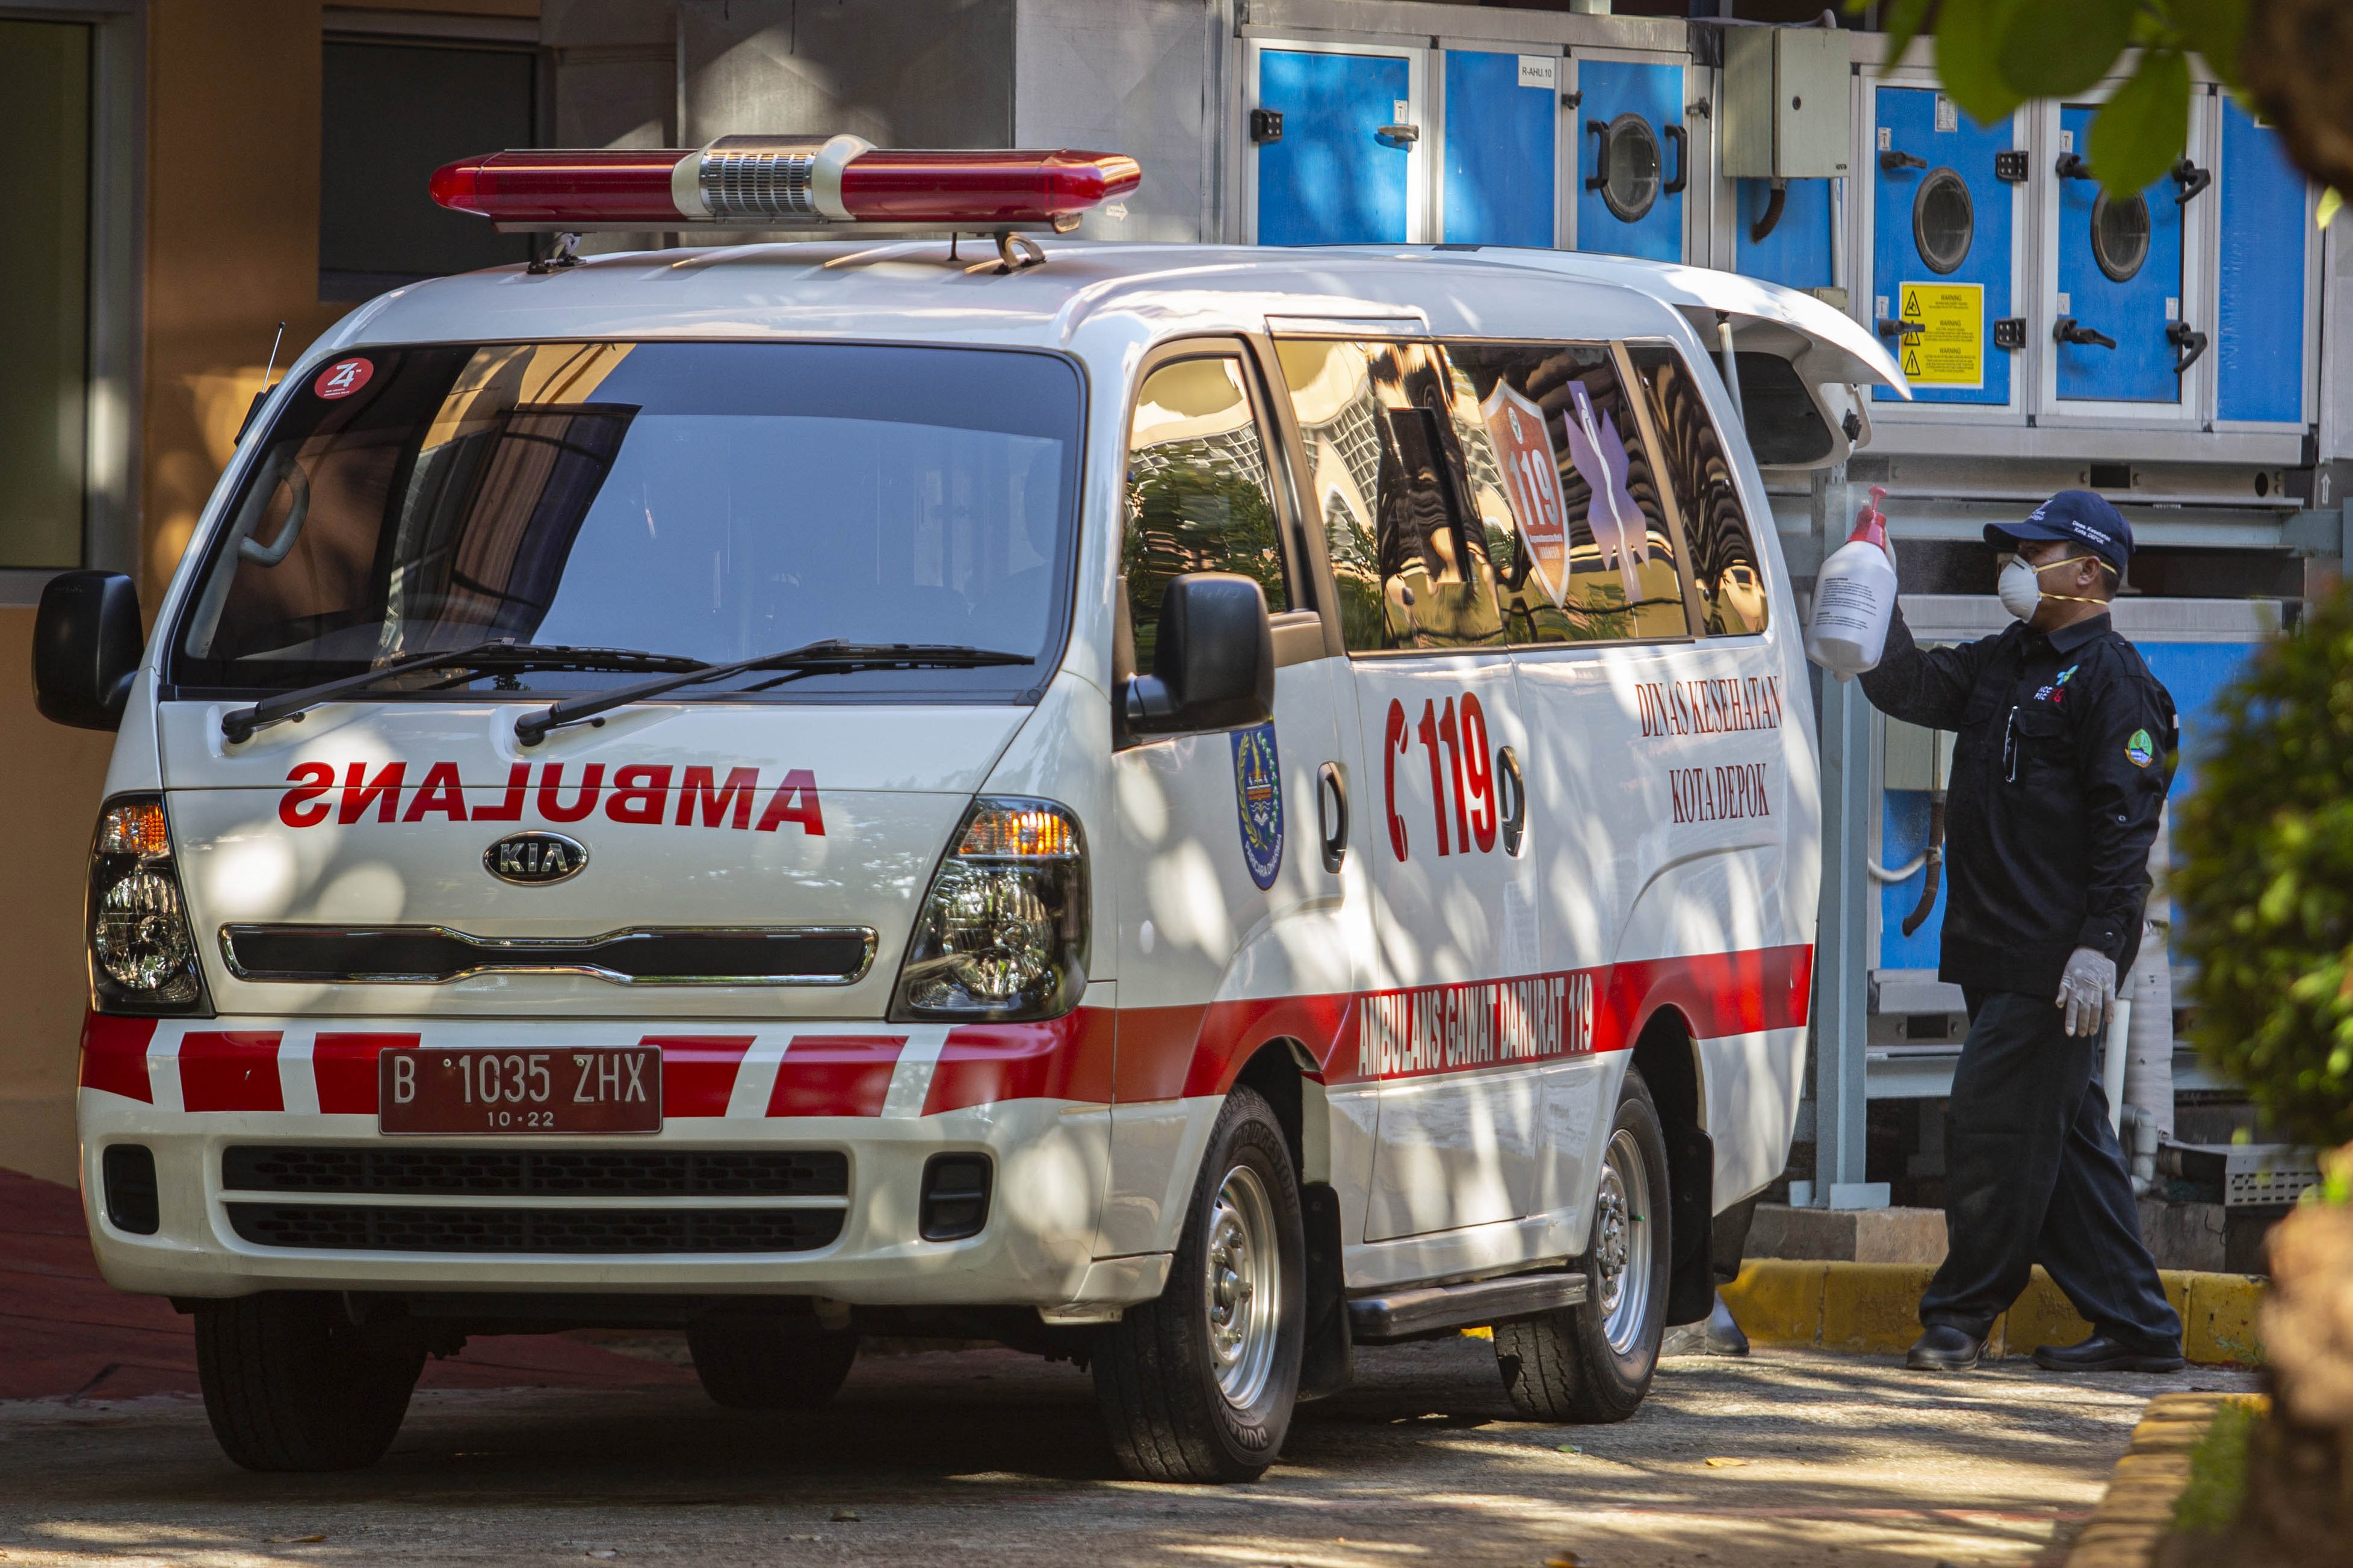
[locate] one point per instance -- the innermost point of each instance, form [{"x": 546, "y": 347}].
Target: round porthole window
[
  {"x": 2120, "y": 234},
  {"x": 1943, "y": 221},
  {"x": 1631, "y": 148}
]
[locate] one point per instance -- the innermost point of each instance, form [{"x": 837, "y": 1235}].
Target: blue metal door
[
  {"x": 2259, "y": 331},
  {"x": 1633, "y": 159},
  {"x": 1942, "y": 246},
  {"x": 1332, "y": 177},
  {"x": 1797, "y": 252},
  {"x": 1499, "y": 152},
  {"x": 2118, "y": 331}
]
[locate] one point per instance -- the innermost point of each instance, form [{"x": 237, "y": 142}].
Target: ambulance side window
[
  {"x": 1198, "y": 495},
  {"x": 1407, "y": 518},
  {"x": 1715, "y": 526},
  {"x": 1578, "y": 528}
]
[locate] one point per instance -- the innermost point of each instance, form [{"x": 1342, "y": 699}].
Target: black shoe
[
  {"x": 1944, "y": 1348},
  {"x": 2101, "y": 1353}
]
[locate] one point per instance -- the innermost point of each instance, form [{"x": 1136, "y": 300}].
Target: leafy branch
[{"x": 1994, "y": 54}]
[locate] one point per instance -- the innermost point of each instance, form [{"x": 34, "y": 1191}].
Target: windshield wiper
[
  {"x": 828, "y": 657},
  {"x": 238, "y": 724}
]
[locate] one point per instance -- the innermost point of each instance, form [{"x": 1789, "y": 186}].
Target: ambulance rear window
[{"x": 695, "y": 500}]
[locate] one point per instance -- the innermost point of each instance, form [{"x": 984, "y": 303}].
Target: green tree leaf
[
  {"x": 2140, "y": 132},
  {"x": 1969, "y": 57},
  {"x": 1904, "y": 20},
  {"x": 2048, "y": 50},
  {"x": 2215, "y": 29}
]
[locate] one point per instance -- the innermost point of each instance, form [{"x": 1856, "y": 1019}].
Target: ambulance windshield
[{"x": 700, "y": 501}]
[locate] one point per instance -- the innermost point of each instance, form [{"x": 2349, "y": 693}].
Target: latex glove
[{"x": 2087, "y": 991}]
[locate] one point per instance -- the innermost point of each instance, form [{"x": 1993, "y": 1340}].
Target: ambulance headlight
[
  {"x": 142, "y": 953},
  {"x": 1003, "y": 934}
]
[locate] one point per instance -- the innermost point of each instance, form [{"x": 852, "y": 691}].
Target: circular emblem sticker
[
  {"x": 2140, "y": 750},
  {"x": 342, "y": 378},
  {"x": 1257, "y": 800}
]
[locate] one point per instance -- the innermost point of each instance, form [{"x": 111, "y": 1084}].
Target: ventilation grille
[
  {"x": 539, "y": 1173},
  {"x": 522, "y": 1230}
]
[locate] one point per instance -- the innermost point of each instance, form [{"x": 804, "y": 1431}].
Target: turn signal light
[{"x": 758, "y": 182}]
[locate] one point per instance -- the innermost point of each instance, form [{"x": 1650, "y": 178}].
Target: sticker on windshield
[
  {"x": 2140, "y": 750},
  {"x": 1599, "y": 454},
  {"x": 1530, "y": 483},
  {"x": 342, "y": 378},
  {"x": 1257, "y": 800}
]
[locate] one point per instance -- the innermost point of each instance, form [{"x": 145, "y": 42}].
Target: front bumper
[{"x": 882, "y": 1099}]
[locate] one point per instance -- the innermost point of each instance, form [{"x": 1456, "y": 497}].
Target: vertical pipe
[{"x": 1842, "y": 958}]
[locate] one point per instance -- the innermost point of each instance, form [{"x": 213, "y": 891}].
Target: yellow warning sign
[{"x": 1949, "y": 348}]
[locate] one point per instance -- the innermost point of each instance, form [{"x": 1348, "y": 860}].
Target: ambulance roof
[{"x": 909, "y": 290}]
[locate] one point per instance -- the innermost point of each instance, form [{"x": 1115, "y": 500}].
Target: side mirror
[
  {"x": 1213, "y": 664},
  {"x": 87, "y": 641}
]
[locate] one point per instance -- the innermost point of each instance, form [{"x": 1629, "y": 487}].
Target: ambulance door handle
[
  {"x": 1331, "y": 810},
  {"x": 1516, "y": 810}
]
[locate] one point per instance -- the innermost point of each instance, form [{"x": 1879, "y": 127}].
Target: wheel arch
[{"x": 1666, "y": 1053}]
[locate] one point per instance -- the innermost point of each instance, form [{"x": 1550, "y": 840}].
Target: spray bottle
[{"x": 1854, "y": 597}]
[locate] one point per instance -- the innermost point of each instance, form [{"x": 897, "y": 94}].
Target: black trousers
[{"x": 2033, "y": 1174}]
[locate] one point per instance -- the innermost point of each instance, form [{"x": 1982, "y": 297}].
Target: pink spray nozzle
[{"x": 1870, "y": 523}]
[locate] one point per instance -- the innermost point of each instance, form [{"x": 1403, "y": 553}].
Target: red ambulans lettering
[
  {"x": 1437, "y": 1028},
  {"x": 638, "y": 794}
]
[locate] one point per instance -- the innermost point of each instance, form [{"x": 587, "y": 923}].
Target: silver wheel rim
[
  {"x": 1242, "y": 1285},
  {"x": 1622, "y": 1227}
]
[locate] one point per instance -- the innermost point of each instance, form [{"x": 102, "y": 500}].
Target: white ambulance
[{"x": 1184, "y": 808}]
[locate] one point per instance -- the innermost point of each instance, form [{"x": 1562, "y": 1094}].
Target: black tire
[
  {"x": 1157, "y": 1370},
  {"x": 1561, "y": 1365},
  {"x": 291, "y": 1383},
  {"x": 753, "y": 1364}
]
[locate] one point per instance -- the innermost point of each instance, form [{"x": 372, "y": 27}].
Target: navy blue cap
[{"x": 2077, "y": 516}]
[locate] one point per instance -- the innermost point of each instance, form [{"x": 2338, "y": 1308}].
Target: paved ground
[{"x": 986, "y": 1458}]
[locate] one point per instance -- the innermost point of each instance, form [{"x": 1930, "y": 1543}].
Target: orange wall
[{"x": 232, "y": 248}]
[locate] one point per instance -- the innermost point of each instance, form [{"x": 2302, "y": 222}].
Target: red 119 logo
[{"x": 1463, "y": 741}]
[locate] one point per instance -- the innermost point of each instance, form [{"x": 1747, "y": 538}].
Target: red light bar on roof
[{"x": 764, "y": 181}]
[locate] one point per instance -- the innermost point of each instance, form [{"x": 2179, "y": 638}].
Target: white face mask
[{"x": 2019, "y": 586}]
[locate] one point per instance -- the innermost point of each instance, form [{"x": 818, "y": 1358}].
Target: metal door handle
[
  {"x": 1515, "y": 814},
  {"x": 1681, "y": 139},
  {"x": 1601, "y": 175},
  {"x": 2188, "y": 342},
  {"x": 2191, "y": 179},
  {"x": 1894, "y": 161},
  {"x": 1889, "y": 327},
  {"x": 1332, "y": 787},
  {"x": 2067, "y": 330},
  {"x": 1399, "y": 136},
  {"x": 2070, "y": 166}
]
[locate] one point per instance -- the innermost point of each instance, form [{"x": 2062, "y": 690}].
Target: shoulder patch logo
[
  {"x": 2140, "y": 750},
  {"x": 1257, "y": 800}
]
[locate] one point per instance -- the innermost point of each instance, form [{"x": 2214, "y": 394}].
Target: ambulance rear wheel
[
  {"x": 1593, "y": 1362},
  {"x": 746, "y": 1364},
  {"x": 1198, "y": 1385},
  {"x": 291, "y": 1383}
]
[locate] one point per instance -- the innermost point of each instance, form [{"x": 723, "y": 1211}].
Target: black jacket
[{"x": 2066, "y": 745}]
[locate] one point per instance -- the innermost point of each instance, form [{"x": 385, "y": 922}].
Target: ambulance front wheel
[
  {"x": 746, "y": 1364},
  {"x": 1593, "y": 1362},
  {"x": 1198, "y": 1385},
  {"x": 291, "y": 1383}
]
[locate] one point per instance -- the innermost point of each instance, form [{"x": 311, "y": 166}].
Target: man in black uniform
[{"x": 2065, "y": 746}]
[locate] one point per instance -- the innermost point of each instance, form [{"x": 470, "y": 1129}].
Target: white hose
[{"x": 1880, "y": 873}]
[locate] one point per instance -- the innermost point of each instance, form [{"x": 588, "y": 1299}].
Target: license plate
[{"x": 593, "y": 1090}]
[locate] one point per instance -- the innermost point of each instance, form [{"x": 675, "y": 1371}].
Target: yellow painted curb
[
  {"x": 2137, "y": 1511},
  {"x": 1873, "y": 1309}
]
